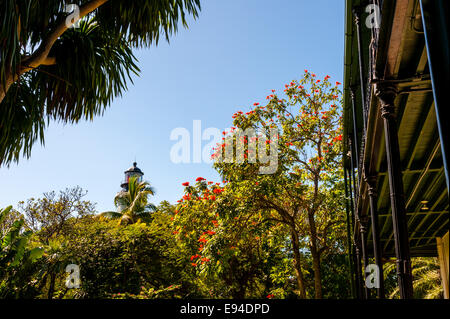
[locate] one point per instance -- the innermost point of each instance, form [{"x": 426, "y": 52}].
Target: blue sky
[{"x": 228, "y": 59}]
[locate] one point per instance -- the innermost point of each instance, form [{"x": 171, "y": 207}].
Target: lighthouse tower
[{"x": 132, "y": 171}]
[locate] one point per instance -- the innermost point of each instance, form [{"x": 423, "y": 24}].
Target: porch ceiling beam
[
  {"x": 419, "y": 213},
  {"x": 430, "y": 190},
  {"x": 441, "y": 197},
  {"x": 434, "y": 235}
]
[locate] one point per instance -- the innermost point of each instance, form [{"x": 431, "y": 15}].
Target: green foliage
[
  {"x": 133, "y": 204},
  {"x": 85, "y": 68},
  {"x": 140, "y": 260},
  {"x": 233, "y": 254},
  {"x": 115, "y": 259},
  {"x": 279, "y": 235},
  {"x": 15, "y": 258},
  {"x": 334, "y": 270},
  {"x": 143, "y": 22},
  {"x": 47, "y": 219},
  {"x": 55, "y": 214},
  {"x": 165, "y": 293},
  {"x": 305, "y": 192},
  {"x": 426, "y": 279}
]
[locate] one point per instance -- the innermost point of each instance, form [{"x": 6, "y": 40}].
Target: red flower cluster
[
  {"x": 270, "y": 296},
  {"x": 199, "y": 179},
  {"x": 237, "y": 114},
  {"x": 338, "y": 138},
  {"x": 185, "y": 184}
]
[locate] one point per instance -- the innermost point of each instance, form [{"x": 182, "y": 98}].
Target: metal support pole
[
  {"x": 436, "y": 24},
  {"x": 352, "y": 178},
  {"x": 356, "y": 254},
  {"x": 359, "y": 282},
  {"x": 355, "y": 126},
  {"x": 365, "y": 255},
  {"x": 371, "y": 183},
  {"x": 355, "y": 187},
  {"x": 349, "y": 239},
  {"x": 386, "y": 94},
  {"x": 350, "y": 191},
  {"x": 356, "y": 13}
]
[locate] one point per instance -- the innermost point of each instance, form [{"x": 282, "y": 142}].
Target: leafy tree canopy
[
  {"x": 133, "y": 204},
  {"x": 50, "y": 71}
]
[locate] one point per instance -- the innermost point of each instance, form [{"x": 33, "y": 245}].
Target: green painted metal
[{"x": 422, "y": 164}]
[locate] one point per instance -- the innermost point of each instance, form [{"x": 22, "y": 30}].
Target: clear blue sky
[{"x": 231, "y": 57}]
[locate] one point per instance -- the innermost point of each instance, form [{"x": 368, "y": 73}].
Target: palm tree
[
  {"x": 427, "y": 279},
  {"x": 52, "y": 71},
  {"x": 133, "y": 204}
]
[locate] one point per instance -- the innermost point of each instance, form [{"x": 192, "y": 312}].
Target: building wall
[{"x": 442, "y": 246}]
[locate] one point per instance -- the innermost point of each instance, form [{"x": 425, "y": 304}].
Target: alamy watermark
[
  {"x": 372, "y": 272},
  {"x": 233, "y": 146},
  {"x": 73, "y": 279},
  {"x": 373, "y": 20},
  {"x": 73, "y": 19}
]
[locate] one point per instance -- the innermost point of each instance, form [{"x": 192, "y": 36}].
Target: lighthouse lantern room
[{"x": 132, "y": 171}]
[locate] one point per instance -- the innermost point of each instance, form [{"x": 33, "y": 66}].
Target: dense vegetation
[{"x": 252, "y": 235}]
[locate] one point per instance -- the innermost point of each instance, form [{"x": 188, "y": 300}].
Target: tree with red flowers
[
  {"x": 305, "y": 192},
  {"x": 232, "y": 254}
]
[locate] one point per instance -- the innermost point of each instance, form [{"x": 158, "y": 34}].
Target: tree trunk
[
  {"x": 297, "y": 264},
  {"x": 4, "y": 88},
  {"x": 51, "y": 288},
  {"x": 239, "y": 293},
  {"x": 40, "y": 56},
  {"x": 2, "y": 93},
  {"x": 315, "y": 256},
  {"x": 317, "y": 274}
]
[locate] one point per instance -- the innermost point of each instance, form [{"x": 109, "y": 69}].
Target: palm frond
[
  {"x": 426, "y": 278},
  {"x": 111, "y": 215},
  {"x": 133, "y": 204},
  {"x": 91, "y": 69},
  {"x": 143, "y": 22},
  {"x": 94, "y": 62}
]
